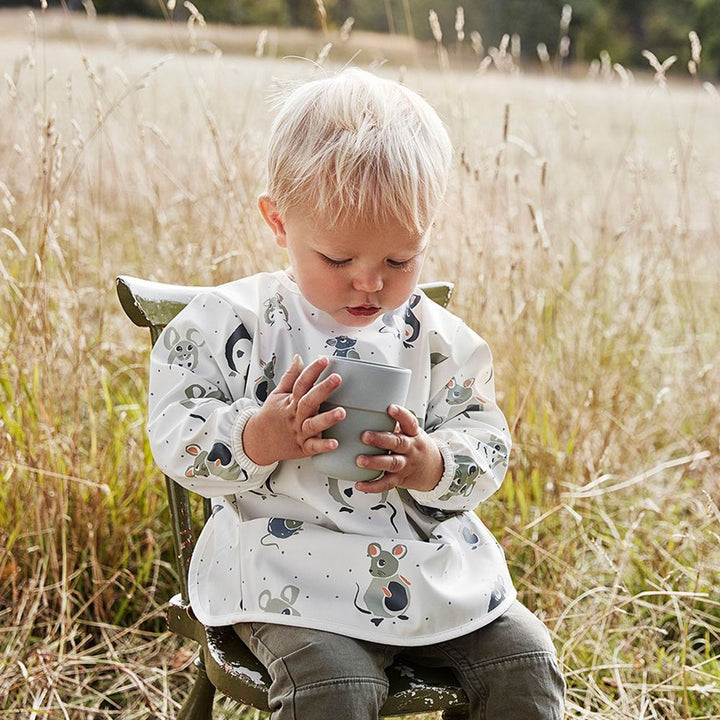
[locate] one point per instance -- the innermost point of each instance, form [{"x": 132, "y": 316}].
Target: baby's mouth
[{"x": 364, "y": 310}]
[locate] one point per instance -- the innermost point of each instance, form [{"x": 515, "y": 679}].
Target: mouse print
[
  {"x": 457, "y": 394},
  {"x": 388, "y": 594},
  {"x": 469, "y": 534},
  {"x": 406, "y": 329},
  {"x": 183, "y": 352},
  {"x": 411, "y": 331},
  {"x": 237, "y": 347},
  {"x": 338, "y": 496},
  {"x": 458, "y": 400},
  {"x": 265, "y": 384},
  {"x": 280, "y": 529},
  {"x": 267, "y": 490},
  {"x": 218, "y": 462},
  {"x": 464, "y": 479},
  {"x": 498, "y": 594},
  {"x": 344, "y": 346},
  {"x": 196, "y": 392},
  {"x": 496, "y": 452},
  {"x": 344, "y": 496},
  {"x": 392, "y": 323},
  {"x": 282, "y": 605},
  {"x": 276, "y": 311}
]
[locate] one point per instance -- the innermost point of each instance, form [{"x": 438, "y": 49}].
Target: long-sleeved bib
[{"x": 288, "y": 545}]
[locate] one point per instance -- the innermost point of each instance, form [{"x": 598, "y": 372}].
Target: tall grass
[{"x": 581, "y": 230}]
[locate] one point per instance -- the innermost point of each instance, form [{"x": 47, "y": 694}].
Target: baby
[{"x": 328, "y": 581}]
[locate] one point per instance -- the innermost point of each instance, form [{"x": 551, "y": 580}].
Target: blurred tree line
[{"x": 623, "y": 28}]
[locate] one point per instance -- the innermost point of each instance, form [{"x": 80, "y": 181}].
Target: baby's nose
[{"x": 369, "y": 281}]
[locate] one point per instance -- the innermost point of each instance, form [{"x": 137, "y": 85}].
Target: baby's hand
[
  {"x": 288, "y": 424},
  {"x": 414, "y": 461}
]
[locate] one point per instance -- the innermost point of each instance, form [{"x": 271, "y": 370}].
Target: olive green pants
[{"x": 508, "y": 669}]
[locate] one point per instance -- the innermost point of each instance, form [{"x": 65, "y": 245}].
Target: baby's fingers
[
  {"x": 310, "y": 398},
  {"x": 318, "y": 445},
  {"x": 290, "y": 376},
  {"x": 315, "y": 424},
  {"x": 308, "y": 377},
  {"x": 405, "y": 419},
  {"x": 394, "y": 442},
  {"x": 382, "y": 484}
]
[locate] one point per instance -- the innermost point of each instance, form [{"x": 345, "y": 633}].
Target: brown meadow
[{"x": 582, "y": 230}]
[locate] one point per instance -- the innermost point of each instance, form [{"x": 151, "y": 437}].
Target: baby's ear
[{"x": 271, "y": 215}]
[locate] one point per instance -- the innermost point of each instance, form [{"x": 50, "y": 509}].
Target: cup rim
[{"x": 360, "y": 361}]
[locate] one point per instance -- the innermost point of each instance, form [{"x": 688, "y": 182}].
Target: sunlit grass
[{"x": 581, "y": 230}]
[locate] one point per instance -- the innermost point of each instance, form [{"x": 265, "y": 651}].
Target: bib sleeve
[
  {"x": 198, "y": 405},
  {"x": 468, "y": 427}
]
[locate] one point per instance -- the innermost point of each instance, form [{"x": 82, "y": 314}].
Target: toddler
[{"x": 328, "y": 581}]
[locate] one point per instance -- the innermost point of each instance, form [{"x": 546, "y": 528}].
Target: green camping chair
[{"x": 224, "y": 662}]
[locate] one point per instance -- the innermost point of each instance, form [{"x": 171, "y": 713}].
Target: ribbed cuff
[
  {"x": 250, "y": 467},
  {"x": 427, "y": 498}
]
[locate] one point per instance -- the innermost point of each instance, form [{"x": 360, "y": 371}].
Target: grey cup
[{"x": 366, "y": 391}]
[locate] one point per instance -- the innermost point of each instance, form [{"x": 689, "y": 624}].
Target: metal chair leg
[{"x": 199, "y": 703}]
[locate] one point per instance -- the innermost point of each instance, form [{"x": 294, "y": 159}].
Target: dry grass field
[{"x": 582, "y": 230}]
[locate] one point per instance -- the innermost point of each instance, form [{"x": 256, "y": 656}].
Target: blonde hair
[{"x": 357, "y": 144}]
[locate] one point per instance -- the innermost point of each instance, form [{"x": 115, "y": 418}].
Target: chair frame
[{"x": 224, "y": 663}]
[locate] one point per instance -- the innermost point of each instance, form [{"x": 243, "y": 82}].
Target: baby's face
[{"x": 354, "y": 271}]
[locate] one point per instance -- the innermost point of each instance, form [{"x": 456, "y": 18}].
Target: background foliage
[{"x": 622, "y": 29}]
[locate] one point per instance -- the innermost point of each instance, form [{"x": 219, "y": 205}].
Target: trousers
[{"x": 508, "y": 669}]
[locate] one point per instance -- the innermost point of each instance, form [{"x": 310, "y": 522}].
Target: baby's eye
[
  {"x": 399, "y": 264},
  {"x": 334, "y": 263}
]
